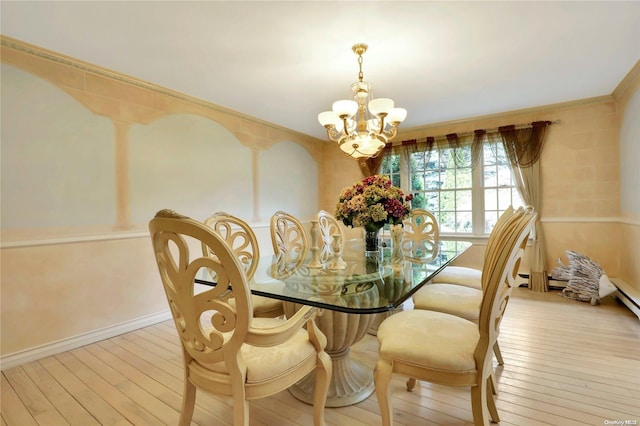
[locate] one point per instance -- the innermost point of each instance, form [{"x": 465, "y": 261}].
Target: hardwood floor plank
[
  {"x": 69, "y": 408},
  {"x": 36, "y": 403},
  {"x": 150, "y": 396},
  {"x": 81, "y": 392},
  {"x": 163, "y": 386},
  {"x": 124, "y": 405},
  {"x": 13, "y": 410}
]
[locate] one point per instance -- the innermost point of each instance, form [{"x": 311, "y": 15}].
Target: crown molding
[{"x": 627, "y": 81}]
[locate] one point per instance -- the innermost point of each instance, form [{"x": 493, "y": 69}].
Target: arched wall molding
[{"x": 151, "y": 102}]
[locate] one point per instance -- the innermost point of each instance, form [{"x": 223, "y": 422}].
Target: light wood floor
[{"x": 567, "y": 363}]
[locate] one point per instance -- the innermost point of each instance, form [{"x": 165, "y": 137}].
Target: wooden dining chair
[
  {"x": 328, "y": 226},
  {"x": 463, "y": 275},
  {"x": 226, "y": 351},
  {"x": 449, "y": 350},
  {"x": 460, "y": 297},
  {"x": 288, "y": 237},
  {"x": 242, "y": 240},
  {"x": 421, "y": 236}
]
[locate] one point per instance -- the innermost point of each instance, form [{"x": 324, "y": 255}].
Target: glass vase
[
  {"x": 371, "y": 242},
  {"x": 372, "y": 253}
]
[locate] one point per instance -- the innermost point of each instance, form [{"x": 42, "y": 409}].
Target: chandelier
[{"x": 362, "y": 132}]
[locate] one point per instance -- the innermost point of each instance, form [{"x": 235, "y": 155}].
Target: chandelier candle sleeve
[{"x": 362, "y": 132}]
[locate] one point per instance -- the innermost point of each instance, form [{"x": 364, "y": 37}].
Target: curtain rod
[{"x": 472, "y": 132}]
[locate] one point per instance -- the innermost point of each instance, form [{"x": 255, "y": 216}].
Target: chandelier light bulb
[
  {"x": 345, "y": 108},
  {"x": 329, "y": 118}
]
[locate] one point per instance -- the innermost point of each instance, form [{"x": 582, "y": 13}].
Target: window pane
[
  {"x": 489, "y": 154},
  {"x": 490, "y": 199},
  {"x": 490, "y": 176},
  {"x": 490, "y": 218},
  {"x": 415, "y": 182},
  {"x": 447, "y": 200},
  {"x": 417, "y": 161},
  {"x": 504, "y": 198},
  {"x": 447, "y": 221},
  {"x": 463, "y": 178},
  {"x": 504, "y": 175},
  {"x": 432, "y": 180},
  {"x": 463, "y": 200},
  {"x": 448, "y": 179},
  {"x": 464, "y": 222},
  {"x": 463, "y": 156},
  {"x": 432, "y": 201}
]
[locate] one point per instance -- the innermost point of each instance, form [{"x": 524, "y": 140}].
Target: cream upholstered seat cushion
[
  {"x": 460, "y": 275},
  {"x": 268, "y": 363},
  {"x": 441, "y": 341},
  {"x": 450, "y": 298}
]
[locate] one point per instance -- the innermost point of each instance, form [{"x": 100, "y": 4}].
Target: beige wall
[
  {"x": 88, "y": 156},
  {"x": 62, "y": 280}
]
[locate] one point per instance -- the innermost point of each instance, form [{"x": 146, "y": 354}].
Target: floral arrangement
[{"x": 372, "y": 202}]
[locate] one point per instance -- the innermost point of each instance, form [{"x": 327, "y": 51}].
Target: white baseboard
[{"x": 67, "y": 344}]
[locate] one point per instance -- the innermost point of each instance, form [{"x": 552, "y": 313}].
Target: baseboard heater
[
  {"x": 553, "y": 283},
  {"x": 628, "y": 295}
]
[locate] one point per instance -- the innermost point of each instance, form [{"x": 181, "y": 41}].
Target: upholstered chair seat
[
  {"x": 460, "y": 275},
  {"x": 442, "y": 341},
  {"x": 450, "y": 298},
  {"x": 270, "y": 363}
]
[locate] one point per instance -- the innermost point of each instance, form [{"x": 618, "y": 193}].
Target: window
[{"x": 465, "y": 200}]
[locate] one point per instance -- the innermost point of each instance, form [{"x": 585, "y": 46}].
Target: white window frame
[{"x": 477, "y": 198}]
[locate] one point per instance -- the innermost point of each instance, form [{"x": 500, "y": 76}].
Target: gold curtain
[{"x": 523, "y": 147}]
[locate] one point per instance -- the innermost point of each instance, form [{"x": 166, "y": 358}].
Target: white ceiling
[{"x": 284, "y": 62}]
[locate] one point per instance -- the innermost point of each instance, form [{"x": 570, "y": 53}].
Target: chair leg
[
  {"x": 479, "y": 404},
  {"x": 496, "y": 351},
  {"x": 240, "y": 403},
  {"x": 382, "y": 376},
  {"x": 491, "y": 404},
  {"x": 188, "y": 401},
  {"x": 493, "y": 382},
  {"x": 323, "y": 378},
  {"x": 411, "y": 383}
]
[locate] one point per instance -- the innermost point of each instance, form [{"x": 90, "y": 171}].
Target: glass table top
[{"x": 369, "y": 283}]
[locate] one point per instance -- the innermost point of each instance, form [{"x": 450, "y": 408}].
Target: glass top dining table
[
  {"x": 368, "y": 283},
  {"x": 366, "y": 287}
]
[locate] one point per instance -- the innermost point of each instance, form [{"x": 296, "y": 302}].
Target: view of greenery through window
[{"x": 465, "y": 200}]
